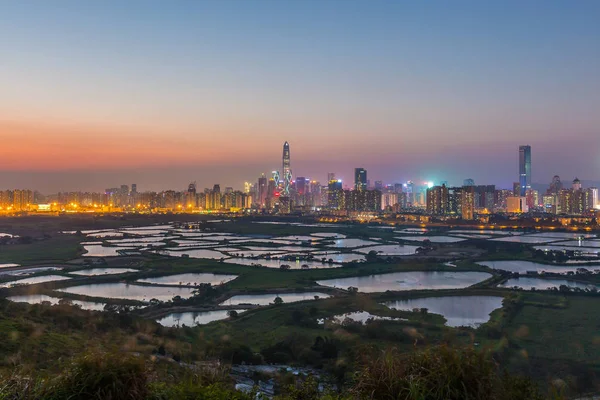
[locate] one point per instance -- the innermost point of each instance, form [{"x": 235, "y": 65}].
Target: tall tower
[
  {"x": 524, "y": 168},
  {"x": 360, "y": 179},
  {"x": 287, "y": 170},
  {"x": 262, "y": 190}
]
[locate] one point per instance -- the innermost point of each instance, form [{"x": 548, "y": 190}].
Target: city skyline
[
  {"x": 283, "y": 194},
  {"x": 89, "y": 99},
  {"x": 347, "y": 177}
]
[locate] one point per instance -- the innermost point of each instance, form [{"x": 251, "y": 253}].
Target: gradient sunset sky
[{"x": 161, "y": 93}]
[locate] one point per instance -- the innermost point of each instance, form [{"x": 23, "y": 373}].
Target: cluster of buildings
[
  {"x": 471, "y": 199},
  {"x": 280, "y": 192},
  {"x": 16, "y": 200}
]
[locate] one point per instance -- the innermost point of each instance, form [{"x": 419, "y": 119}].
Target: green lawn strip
[{"x": 58, "y": 248}]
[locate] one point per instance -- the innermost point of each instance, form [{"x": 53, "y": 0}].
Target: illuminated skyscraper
[
  {"x": 591, "y": 197},
  {"x": 302, "y": 190},
  {"x": 467, "y": 203},
  {"x": 360, "y": 179},
  {"x": 262, "y": 190},
  {"x": 191, "y": 201},
  {"x": 335, "y": 195},
  {"x": 524, "y": 168},
  {"x": 437, "y": 200},
  {"x": 287, "y": 170}
]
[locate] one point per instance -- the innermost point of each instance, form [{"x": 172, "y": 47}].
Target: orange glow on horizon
[{"x": 66, "y": 146}]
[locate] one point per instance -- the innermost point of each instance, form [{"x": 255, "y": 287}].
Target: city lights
[{"x": 362, "y": 200}]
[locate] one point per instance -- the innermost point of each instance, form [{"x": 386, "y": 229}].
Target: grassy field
[
  {"x": 58, "y": 248},
  {"x": 553, "y": 334},
  {"x": 545, "y": 335}
]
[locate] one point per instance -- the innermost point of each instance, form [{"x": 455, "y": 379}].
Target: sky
[{"x": 95, "y": 94}]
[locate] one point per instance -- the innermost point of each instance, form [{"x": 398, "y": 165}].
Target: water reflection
[
  {"x": 129, "y": 292},
  {"x": 278, "y": 263},
  {"x": 527, "y": 283},
  {"x": 190, "y": 279},
  {"x": 102, "y": 271},
  {"x": 40, "y": 298},
  {"x": 34, "y": 280},
  {"x": 195, "y": 318},
  {"x": 522, "y": 267},
  {"x": 390, "y": 250},
  {"x": 458, "y": 310},
  {"x": 266, "y": 299},
  {"x": 415, "y": 280}
]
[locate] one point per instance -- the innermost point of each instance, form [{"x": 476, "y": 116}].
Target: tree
[
  {"x": 278, "y": 301},
  {"x": 232, "y": 314},
  {"x": 65, "y": 301},
  {"x": 372, "y": 255},
  {"x": 352, "y": 290},
  {"x": 154, "y": 302}
]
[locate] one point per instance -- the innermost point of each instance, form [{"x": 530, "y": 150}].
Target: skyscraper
[
  {"x": 524, "y": 168},
  {"x": 360, "y": 179},
  {"x": 302, "y": 190},
  {"x": 262, "y": 190},
  {"x": 287, "y": 170},
  {"x": 190, "y": 197},
  {"x": 556, "y": 186},
  {"x": 437, "y": 200},
  {"x": 335, "y": 195},
  {"x": 467, "y": 203}
]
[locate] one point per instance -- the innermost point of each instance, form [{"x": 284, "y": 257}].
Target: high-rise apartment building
[
  {"x": 437, "y": 200},
  {"x": 389, "y": 200},
  {"x": 485, "y": 196},
  {"x": 524, "y": 169},
  {"x": 468, "y": 203},
  {"x": 190, "y": 198},
  {"x": 360, "y": 179},
  {"x": 517, "y": 204},
  {"x": 302, "y": 191},
  {"x": 501, "y": 196},
  {"x": 335, "y": 195},
  {"x": 592, "y": 197}
]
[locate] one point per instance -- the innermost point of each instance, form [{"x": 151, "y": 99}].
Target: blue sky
[{"x": 409, "y": 90}]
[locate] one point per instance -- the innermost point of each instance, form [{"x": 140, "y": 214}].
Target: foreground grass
[
  {"x": 563, "y": 337},
  {"x": 434, "y": 374}
]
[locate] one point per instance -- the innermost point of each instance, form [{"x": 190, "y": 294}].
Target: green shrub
[
  {"x": 100, "y": 376},
  {"x": 191, "y": 390},
  {"x": 439, "y": 373},
  {"x": 93, "y": 376}
]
